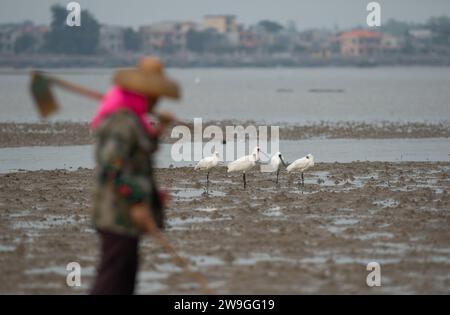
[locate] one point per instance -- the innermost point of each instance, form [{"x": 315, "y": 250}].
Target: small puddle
[
  {"x": 59, "y": 270},
  {"x": 321, "y": 178},
  {"x": 7, "y": 248},
  {"x": 273, "y": 212},
  {"x": 205, "y": 261},
  {"x": 374, "y": 235},
  {"x": 190, "y": 193},
  {"x": 206, "y": 209},
  {"x": 324, "y": 257},
  {"x": 387, "y": 203},
  {"x": 341, "y": 224},
  {"x": 180, "y": 223},
  {"x": 48, "y": 222},
  {"x": 336, "y": 229},
  {"x": 261, "y": 257},
  {"x": 18, "y": 214},
  {"x": 152, "y": 275},
  {"x": 149, "y": 282},
  {"x": 345, "y": 221}
]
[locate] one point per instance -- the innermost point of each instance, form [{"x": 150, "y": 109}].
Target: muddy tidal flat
[
  {"x": 267, "y": 239},
  {"x": 75, "y": 133}
]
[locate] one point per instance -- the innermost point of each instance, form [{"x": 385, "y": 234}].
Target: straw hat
[{"x": 148, "y": 79}]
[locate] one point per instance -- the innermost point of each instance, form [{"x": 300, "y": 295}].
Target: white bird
[
  {"x": 207, "y": 164},
  {"x": 301, "y": 165},
  {"x": 244, "y": 164},
  {"x": 274, "y": 165}
]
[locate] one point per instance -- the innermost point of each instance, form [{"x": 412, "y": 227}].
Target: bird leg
[
  {"x": 300, "y": 183},
  {"x": 303, "y": 181},
  {"x": 278, "y": 173},
  {"x": 245, "y": 182},
  {"x": 207, "y": 182}
]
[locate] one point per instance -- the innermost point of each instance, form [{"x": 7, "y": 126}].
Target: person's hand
[
  {"x": 165, "y": 120},
  {"x": 142, "y": 217},
  {"x": 164, "y": 197}
]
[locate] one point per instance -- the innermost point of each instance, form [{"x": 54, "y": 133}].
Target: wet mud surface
[
  {"x": 266, "y": 239},
  {"x": 72, "y": 133}
]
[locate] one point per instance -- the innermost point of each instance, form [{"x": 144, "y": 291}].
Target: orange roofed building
[{"x": 360, "y": 43}]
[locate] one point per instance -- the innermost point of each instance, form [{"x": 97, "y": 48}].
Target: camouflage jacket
[{"x": 124, "y": 171}]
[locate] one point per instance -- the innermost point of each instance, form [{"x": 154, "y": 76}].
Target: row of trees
[
  {"x": 72, "y": 40},
  {"x": 62, "y": 38},
  {"x": 439, "y": 26}
]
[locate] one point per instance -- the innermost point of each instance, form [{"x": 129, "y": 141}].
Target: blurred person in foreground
[{"x": 127, "y": 202}]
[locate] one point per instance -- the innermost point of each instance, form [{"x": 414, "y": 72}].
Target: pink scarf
[{"x": 117, "y": 99}]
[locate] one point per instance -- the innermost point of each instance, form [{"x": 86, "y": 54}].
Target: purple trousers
[{"x": 117, "y": 271}]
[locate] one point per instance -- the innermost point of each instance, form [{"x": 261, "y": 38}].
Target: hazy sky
[{"x": 306, "y": 13}]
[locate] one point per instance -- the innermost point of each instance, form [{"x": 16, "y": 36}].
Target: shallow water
[
  {"x": 190, "y": 193},
  {"x": 273, "y": 212},
  {"x": 329, "y": 150},
  {"x": 394, "y": 94},
  {"x": 6, "y": 248}
]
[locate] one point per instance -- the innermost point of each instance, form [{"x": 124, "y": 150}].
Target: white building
[
  {"x": 10, "y": 33},
  {"x": 165, "y": 35},
  {"x": 421, "y": 34},
  {"x": 111, "y": 39},
  {"x": 8, "y": 36}
]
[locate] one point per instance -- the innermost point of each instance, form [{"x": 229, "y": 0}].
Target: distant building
[
  {"x": 10, "y": 33},
  {"x": 317, "y": 43},
  {"x": 39, "y": 32},
  {"x": 421, "y": 34},
  {"x": 360, "y": 43},
  {"x": 389, "y": 43},
  {"x": 111, "y": 39},
  {"x": 165, "y": 36},
  {"x": 221, "y": 23},
  {"x": 249, "y": 39},
  {"x": 419, "y": 40}
]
